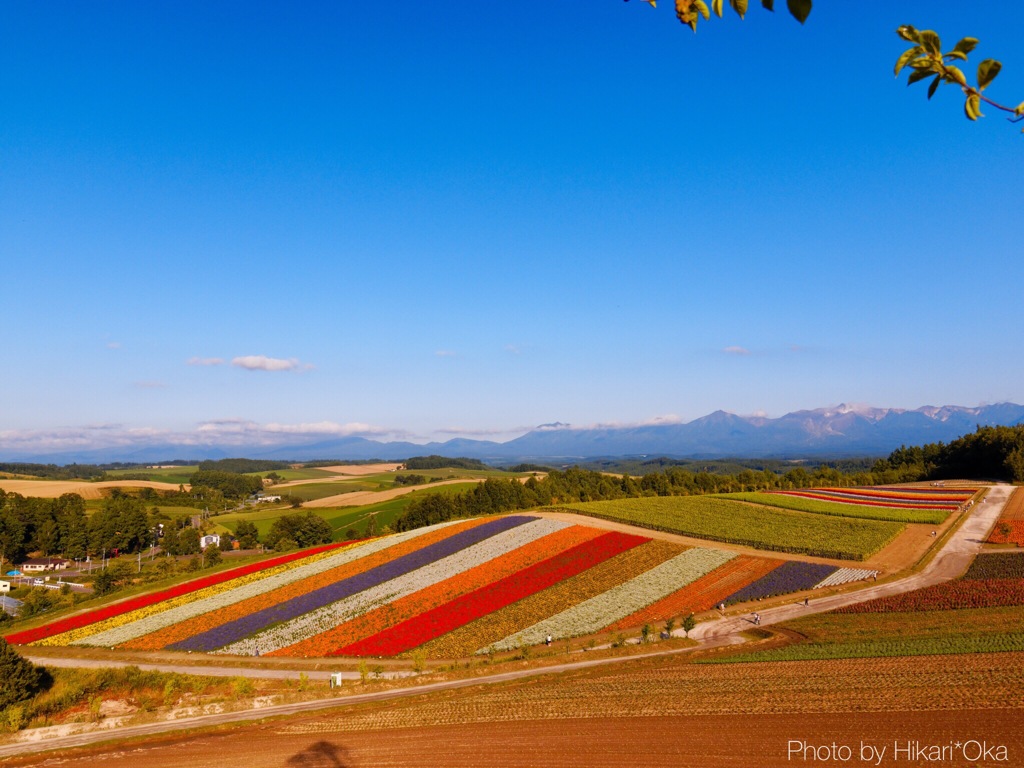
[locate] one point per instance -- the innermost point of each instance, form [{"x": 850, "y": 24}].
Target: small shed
[
  {"x": 210, "y": 539},
  {"x": 40, "y": 564},
  {"x": 5, "y": 586}
]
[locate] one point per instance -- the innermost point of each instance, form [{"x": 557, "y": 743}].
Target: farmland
[
  {"x": 1010, "y": 527},
  {"x": 457, "y": 588},
  {"x": 740, "y": 715},
  {"x": 735, "y": 522},
  {"x": 824, "y": 507}
]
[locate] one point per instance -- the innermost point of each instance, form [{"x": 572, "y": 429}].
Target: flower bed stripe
[
  {"x": 98, "y": 614},
  {"x": 329, "y": 616},
  {"x": 328, "y": 643},
  {"x": 186, "y": 621},
  {"x": 489, "y": 629},
  {"x": 244, "y": 626},
  {"x": 481, "y": 602},
  {"x": 707, "y": 591},
  {"x": 955, "y": 595},
  {"x": 116, "y": 629},
  {"x": 845, "y": 576},
  {"x": 847, "y": 499},
  {"x": 618, "y": 602},
  {"x": 792, "y": 576}
]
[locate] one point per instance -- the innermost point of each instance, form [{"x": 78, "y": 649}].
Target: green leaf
[
  {"x": 909, "y": 34},
  {"x": 800, "y": 9},
  {"x": 769, "y": 5},
  {"x": 972, "y": 107},
  {"x": 966, "y": 45},
  {"x": 740, "y": 6},
  {"x": 934, "y": 86},
  {"x": 703, "y": 8},
  {"x": 1020, "y": 109},
  {"x": 931, "y": 41},
  {"x": 918, "y": 75},
  {"x": 956, "y": 55},
  {"x": 716, "y": 6},
  {"x": 906, "y": 56},
  {"x": 987, "y": 71},
  {"x": 955, "y": 75}
]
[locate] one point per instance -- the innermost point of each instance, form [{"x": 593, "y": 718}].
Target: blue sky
[{"x": 433, "y": 220}]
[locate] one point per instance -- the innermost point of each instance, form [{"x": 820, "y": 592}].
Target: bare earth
[
  {"x": 358, "y": 498},
  {"x": 51, "y": 489},
  {"x": 358, "y": 470},
  {"x": 661, "y": 709}
]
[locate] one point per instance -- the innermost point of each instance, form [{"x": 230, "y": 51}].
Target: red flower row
[
  {"x": 116, "y": 609},
  {"x": 948, "y": 596},
  {"x": 492, "y": 597}
]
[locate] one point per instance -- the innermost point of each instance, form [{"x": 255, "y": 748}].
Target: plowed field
[{"x": 661, "y": 710}]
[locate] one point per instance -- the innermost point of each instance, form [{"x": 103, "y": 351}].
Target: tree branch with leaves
[{"x": 925, "y": 58}]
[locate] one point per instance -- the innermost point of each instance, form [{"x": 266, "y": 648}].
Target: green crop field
[
  {"x": 863, "y": 511},
  {"x": 728, "y": 520},
  {"x": 312, "y": 473},
  {"x": 168, "y": 475},
  {"x": 917, "y": 633}
]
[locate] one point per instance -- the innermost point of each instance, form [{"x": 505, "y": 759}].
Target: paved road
[{"x": 949, "y": 563}]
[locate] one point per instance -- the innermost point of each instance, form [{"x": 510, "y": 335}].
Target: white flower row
[
  {"x": 618, "y": 602},
  {"x": 845, "y": 576},
  {"x": 330, "y": 616},
  {"x": 164, "y": 619}
]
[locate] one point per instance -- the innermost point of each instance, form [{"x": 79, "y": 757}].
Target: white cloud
[
  {"x": 113, "y": 345},
  {"x": 734, "y": 350},
  {"x": 264, "y": 363},
  {"x": 205, "y": 361},
  {"x": 446, "y": 353}
]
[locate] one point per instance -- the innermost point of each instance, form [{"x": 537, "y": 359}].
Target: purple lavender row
[
  {"x": 791, "y": 576},
  {"x": 290, "y": 609}
]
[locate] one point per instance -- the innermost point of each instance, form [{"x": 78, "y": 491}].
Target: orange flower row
[
  {"x": 703, "y": 593},
  {"x": 186, "y": 629},
  {"x": 496, "y": 626},
  {"x": 391, "y": 614}
]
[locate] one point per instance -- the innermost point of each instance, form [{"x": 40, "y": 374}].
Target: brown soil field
[
  {"x": 662, "y": 710},
  {"x": 1014, "y": 509},
  {"x": 358, "y": 498},
  {"x": 358, "y": 470},
  {"x": 51, "y": 489},
  {"x": 695, "y": 741}
]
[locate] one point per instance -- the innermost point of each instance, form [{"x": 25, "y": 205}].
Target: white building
[{"x": 208, "y": 539}]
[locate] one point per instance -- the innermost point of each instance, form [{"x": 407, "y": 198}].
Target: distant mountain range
[{"x": 837, "y": 432}]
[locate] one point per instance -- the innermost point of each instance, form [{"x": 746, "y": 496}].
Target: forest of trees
[
  {"x": 60, "y": 526},
  {"x": 442, "y": 462},
  {"x": 242, "y": 466}
]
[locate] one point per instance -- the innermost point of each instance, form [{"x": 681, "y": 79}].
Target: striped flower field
[{"x": 450, "y": 590}]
